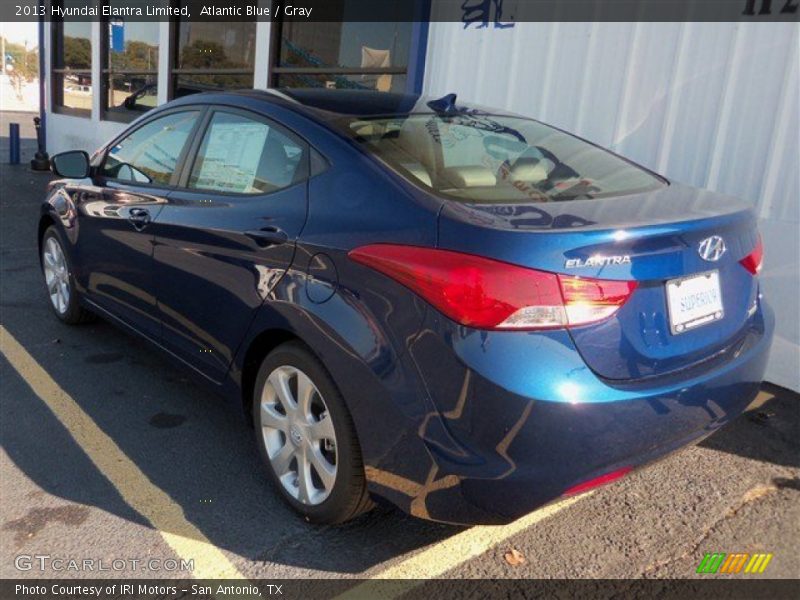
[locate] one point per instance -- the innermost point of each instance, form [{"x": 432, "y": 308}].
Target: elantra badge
[
  {"x": 597, "y": 261},
  {"x": 712, "y": 248}
]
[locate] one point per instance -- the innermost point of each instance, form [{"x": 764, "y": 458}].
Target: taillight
[
  {"x": 590, "y": 300},
  {"x": 752, "y": 262},
  {"x": 488, "y": 294}
]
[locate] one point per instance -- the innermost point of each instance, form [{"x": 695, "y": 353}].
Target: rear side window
[
  {"x": 478, "y": 157},
  {"x": 243, "y": 155},
  {"x": 150, "y": 154}
]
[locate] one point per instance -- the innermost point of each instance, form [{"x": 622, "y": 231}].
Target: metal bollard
[
  {"x": 40, "y": 161},
  {"x": 13, "y": 143}
]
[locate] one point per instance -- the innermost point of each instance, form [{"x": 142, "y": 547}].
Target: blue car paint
[
  {"x": 455, "y": 424},
  {"x": 658, "y": 252},
  {"x": 527, "y": 434}
]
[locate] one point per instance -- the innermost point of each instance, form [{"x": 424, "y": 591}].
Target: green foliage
[
  {"x": 205, "y": 54},
  {"x": 77, "y": 53},
  {"x": 138, "y": 56},
  {"x": 25, "y": 63},
  {"x": 202, "y": 54}
]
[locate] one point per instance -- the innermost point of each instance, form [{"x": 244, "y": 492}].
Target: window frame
[
  {"x": 106, "y": 72},
  {"x": 191, "y": 158},
  {"x": 58, "y": 74},
  {"x": 201, "y": 109}
]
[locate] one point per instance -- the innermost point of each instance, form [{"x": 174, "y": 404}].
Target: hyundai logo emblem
[{"x": 712, "y": 248}]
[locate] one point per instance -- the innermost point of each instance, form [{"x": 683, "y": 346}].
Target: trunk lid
[{"x": 651, "y": 238}]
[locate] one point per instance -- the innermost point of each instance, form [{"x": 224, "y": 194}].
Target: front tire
[
  {"x": 59, "y": 280},
  {"x": 306, "y": 437}
]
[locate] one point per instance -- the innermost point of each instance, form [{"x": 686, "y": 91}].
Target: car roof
[
  {"x": 326, "y": 105},
  {"x": 354, "y": 102}
]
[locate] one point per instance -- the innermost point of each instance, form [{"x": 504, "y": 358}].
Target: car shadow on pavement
[
  {"x": 188, "y": 442},
  {"x": 768, "y": 432}
]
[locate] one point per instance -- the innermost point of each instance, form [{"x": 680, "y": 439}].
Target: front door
[
  {"x": 115, "y": 215},
  {"x": 226, "y": 236}
]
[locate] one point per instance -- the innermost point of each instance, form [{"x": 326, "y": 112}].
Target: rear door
[
  {"x": 115, "y": 241},
  {"x": 227, "y": 234}
]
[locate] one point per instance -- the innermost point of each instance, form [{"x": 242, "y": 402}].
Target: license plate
[{"x": 694, "y": 301}]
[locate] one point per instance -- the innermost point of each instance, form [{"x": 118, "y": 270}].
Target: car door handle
[
  {"x": 139, "y": 217},
  {"x": 267, "y": 236}
]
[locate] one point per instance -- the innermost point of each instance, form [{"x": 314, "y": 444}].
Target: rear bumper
[{"x": 504, "y": 440}]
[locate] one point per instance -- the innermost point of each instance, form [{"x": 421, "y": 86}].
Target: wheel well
[
  {"x": 45, "y": 222},
  {"x": 262, "y": 345}
]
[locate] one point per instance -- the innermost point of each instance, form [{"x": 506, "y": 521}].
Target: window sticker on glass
[{"x": 230, "y": 157}]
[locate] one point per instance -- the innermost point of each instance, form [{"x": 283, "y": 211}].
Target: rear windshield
[{"x": 475, "y": 157}]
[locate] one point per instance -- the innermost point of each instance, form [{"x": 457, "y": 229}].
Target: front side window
[
  {"x": 150, "y": 154},
  {"x": 247, "y": 156},
  {"x": 72, "y": 64},
  {"x": 130, "y": 64},
  {"x": 478, "y": 157}
]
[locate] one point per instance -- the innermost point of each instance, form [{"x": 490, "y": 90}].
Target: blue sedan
[{"x": 466, "y": 312}]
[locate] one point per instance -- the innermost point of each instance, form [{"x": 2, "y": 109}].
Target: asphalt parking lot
[{"x": 110, "y": 451}]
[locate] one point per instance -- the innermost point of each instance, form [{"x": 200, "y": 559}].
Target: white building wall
[{"x": 714, "y": 105}]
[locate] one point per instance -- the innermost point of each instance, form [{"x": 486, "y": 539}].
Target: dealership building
[{"x": 713, "y": 105}]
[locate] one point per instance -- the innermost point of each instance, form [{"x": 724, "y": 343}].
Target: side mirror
[{"x": 73, "y": 164}]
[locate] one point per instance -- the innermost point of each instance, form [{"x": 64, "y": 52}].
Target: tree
[
  {"x": 22, "y": 65},
  {"x": 138, "y": 56},
  {"x": 25, "y": 62},
  {"x": 77, "y": 53},
  {"x": 205, "y": 54}
]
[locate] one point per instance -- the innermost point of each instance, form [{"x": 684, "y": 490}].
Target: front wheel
[
  {"x": 306, "y": 437},
  {"x": 60, "y": 281}
]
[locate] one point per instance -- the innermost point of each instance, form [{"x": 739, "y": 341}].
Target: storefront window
[
  {"x": 130, "y": 65},
  {"x": 349, "y": 55},
  {"x": 213, "y": 56},
  {"x": 72, "y": 64}
]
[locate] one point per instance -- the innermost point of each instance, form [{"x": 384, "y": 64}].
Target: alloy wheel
[
  {"x": 299, "y": 435},
  {"x": 56, "y": 275}
]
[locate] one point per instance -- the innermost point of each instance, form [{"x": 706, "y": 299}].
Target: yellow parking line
[
  {"x": 134, "y": 486},
  {"x": 448, "y": 554}
]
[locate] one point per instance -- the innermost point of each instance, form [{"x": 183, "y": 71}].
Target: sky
[{"x": 20, "y": 32}]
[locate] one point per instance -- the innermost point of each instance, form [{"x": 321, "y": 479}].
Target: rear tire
[
  {"x": 306, "y": 437},
  {"x": 60, "y": 281}
]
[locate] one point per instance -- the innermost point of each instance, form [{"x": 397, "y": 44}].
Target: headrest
[
  {"x": 528, "y": 169},
  {"x": 419, "y": 172},
  {"x": 470, "y": 176}
]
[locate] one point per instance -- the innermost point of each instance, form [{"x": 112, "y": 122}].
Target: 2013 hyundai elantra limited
[{"x": 463, "y": 311}]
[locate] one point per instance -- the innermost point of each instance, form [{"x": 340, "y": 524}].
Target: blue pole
[
  {"x": 13, "y": 143},
  {"x": 42, "y": 76}
]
